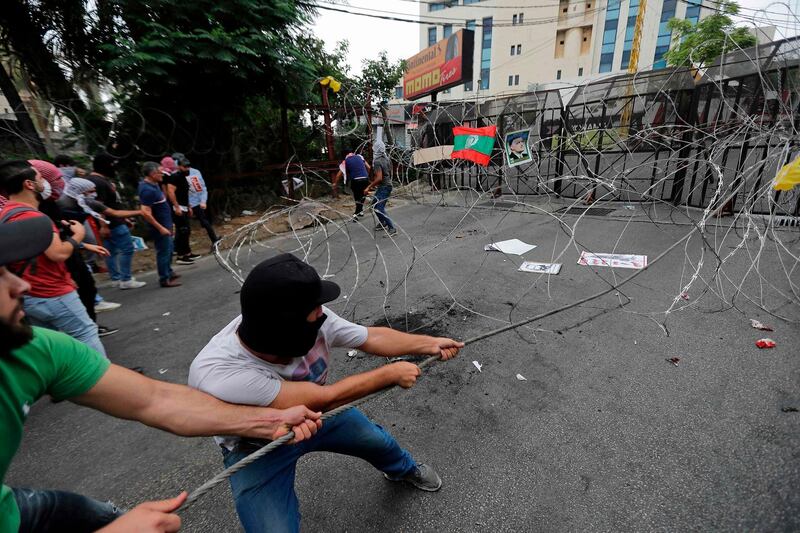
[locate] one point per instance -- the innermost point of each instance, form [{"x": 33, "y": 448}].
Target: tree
[
  {"x": 700, "y": 44},
  {"x": 381, "y": 75}
]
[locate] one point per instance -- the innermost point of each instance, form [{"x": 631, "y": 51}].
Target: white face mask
[
  {"x": 91, "y": 195},
  {"x": 46, "y": 190}
]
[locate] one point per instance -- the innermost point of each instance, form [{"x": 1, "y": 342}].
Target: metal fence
[{"x": 656, "y": 135}]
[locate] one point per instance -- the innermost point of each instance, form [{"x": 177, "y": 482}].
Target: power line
[{"x": 389, "y": 15}]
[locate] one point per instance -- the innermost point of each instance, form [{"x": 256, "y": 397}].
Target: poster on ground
[
  {"x": 637, "y": 262},
  {"x": 516, "y": 148},
  {"x": 540, "y": 268}
]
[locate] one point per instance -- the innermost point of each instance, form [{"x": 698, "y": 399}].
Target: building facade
[{"x": 518, "y": 48}]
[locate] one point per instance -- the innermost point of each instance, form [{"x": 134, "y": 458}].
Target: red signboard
[{"x": 445, "y": 64}]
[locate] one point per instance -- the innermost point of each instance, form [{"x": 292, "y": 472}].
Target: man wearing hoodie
[
  {"x": 277, "y": 354},
  {"x": 381, "y": 183},
  {"x": 116, "y": 233}
]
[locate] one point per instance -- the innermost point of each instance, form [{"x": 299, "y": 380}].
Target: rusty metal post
[
  {"x": 368, "y": 107},
  {"x": 326, "y": 111}
]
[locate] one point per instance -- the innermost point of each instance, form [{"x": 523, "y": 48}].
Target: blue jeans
[
  {"x": 121, "y": 247},
  {"x": 381, "y": 195},
  {"x": 164, "y": 246},
  {"x": 65, "y": 314},
  {"x": 43, "y": 511},
  {"x": 264, "y": 491}
]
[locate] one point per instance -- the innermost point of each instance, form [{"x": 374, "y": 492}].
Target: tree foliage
[
  {"x": 701, "y": 44},
  {"x": 381, "y": 75}
]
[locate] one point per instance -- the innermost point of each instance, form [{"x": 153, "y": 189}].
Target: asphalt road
[{"x": 604, "y": 434}]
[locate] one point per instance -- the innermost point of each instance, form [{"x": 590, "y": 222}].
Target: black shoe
[
  {"x": 423, "y": 477},
  {"x": 194, "y": 257},
  {"x": 185, "y": 260},
  {"x": 103, "y": 331}
]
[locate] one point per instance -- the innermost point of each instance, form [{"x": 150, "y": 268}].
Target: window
[
  {"x": 398, "y": 92},
  {"x": 558, "y": 74},
  {"x": 561, "y": 43},
  {"x": 580, "y": 71},
  {"x": 468, "y": 2},
  {"x": 486, "y": 52},
  {"x": 693, "y": 11},
  {"x": 630, "y": 28},
  {"x": 447, "y": 31},
  {"x": 510, "y": 80},
  {"x": 588, "y": 6},
  {"x": 468, "y": 86},
  {"x": 519, "y": 49},
  {"x": 471, "y": 25},
  {"x": 513, "y": 49},
  {"x": 609, "y": 36},
  {"x": 664, "y": 33},
  {"x": 563, "y": 10},
  {"x": 516, "y": 79},
  {"x": 521, "y": 16},
  {"x": 436, "y": 6},
  {"x": 514, "y": 20},
  {"x": 431, "y": 35}
]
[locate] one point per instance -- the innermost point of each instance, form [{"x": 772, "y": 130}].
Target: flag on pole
[
  {"x": 474, "y": 144},
  {"x": 788, "y": 176}
]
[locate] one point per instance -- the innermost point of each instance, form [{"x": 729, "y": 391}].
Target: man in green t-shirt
[{"x": 35, "y": 362}]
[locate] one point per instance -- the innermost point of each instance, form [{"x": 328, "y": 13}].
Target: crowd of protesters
[{"x": 92, "y": 233}]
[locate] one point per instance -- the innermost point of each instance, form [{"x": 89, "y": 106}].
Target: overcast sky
[{"x": 368, "y": 36}]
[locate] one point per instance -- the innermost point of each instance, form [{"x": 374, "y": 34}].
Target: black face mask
[
  {"x": 12, "y": 337},
  {"x": 285, "y": 336}
]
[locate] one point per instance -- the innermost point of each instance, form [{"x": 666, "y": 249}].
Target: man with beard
[
  {"x": 35, "y": 362},
  {"x": 276, "y": 354}
]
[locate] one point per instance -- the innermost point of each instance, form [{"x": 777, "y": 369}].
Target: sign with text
[{"x": 445, "y": 64}]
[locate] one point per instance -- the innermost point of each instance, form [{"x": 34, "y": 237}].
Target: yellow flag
[
  {"x": 328, "y": 81},
  {"x": 788, "y": 176}
]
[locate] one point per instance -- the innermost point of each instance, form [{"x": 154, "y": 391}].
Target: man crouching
[{"x": 276, "y": 354}]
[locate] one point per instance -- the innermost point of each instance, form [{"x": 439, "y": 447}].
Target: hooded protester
[
  {"x": 355, "y": 170},
  {"x": 276, "y": 353},
  {"x": 116, "y": 234},
  {"x": 381, "y": 183}
]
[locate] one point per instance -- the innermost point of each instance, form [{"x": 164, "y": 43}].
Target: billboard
[{"x": 445, "y": 64}]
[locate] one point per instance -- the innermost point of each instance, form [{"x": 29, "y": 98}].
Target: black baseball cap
[
  {"x": 279, "y": 288},
  {"x": 24, "y": 239}
]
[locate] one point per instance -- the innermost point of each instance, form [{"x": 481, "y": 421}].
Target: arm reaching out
[
  {"x": 327, "y": 397},
  {"x": 188, "y": 412},
  {"x": 388, "y": 342}
]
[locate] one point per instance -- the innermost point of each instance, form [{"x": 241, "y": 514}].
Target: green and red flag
[{"x": 474, "y": 144}]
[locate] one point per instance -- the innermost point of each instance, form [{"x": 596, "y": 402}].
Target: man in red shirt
[{"x": 52, "y": 301}]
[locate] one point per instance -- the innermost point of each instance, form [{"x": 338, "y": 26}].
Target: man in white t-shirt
[{"x": 276, "y": 354}]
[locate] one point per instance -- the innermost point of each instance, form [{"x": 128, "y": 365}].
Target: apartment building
[{"x": 520, "y": 44}]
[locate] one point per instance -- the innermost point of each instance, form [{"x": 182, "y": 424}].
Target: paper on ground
[
  {"x": 477, "y": 365},
  {"x": 511, "y": 246},
  {"x": 637, "y": 262},
  {"x": 520, "y": 377},
  {"x": 540, "y": 268}
]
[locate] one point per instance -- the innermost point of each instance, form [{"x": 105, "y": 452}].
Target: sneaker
[
  {"x": 391, "y": 231},
  {"x": 115, "y": 283},
  {"x": 131, "y": 284},
  {"x": 170, "y": 283},
  {"x": 194, "y": 257},
  {"x": 184, "y": 260},
  {"x": 379, "y": 227},
  {"x": 106, "y": 306},
  {"x": 361, "y": 214},
  {"x": 103, "y": 331},
  {"x": 423, "y": 477}
]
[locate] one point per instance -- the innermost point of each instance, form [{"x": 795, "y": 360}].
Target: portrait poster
[{"x": 516, "y": 148}]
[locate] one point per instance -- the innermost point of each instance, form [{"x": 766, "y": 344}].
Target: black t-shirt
[
  {"x": 178, "y": 179},
  {"x": 107, "y": 194}
]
